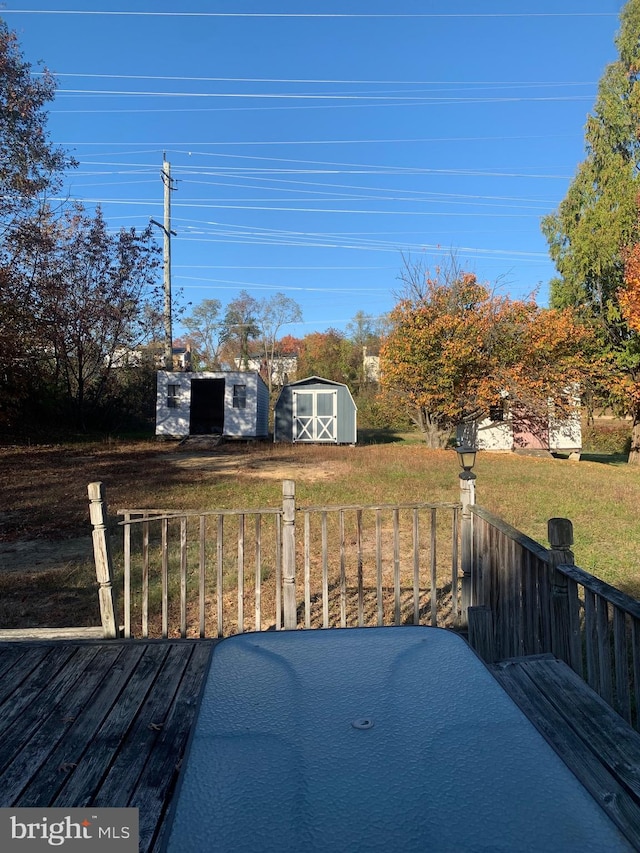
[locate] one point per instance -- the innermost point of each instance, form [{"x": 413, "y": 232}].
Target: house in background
[
  {"x": 231, "y": 404},
  {"x": 315, "y": 410},
  {"x": 370, "y": 366},
  {"x": 135, "y": 357},
  {"x": 512, "y": 428},
  {"x": 181, "y": 357},
  {"x": 283, "y": 367}
]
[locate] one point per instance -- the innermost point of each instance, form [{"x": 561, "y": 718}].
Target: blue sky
[{"x": 314, "y": 144}]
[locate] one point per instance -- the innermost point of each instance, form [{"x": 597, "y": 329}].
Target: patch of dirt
[
  {"x": 31, "y": 555},
  {"x": 271, "y": 469},
  {"x": 45, "y": 488}
]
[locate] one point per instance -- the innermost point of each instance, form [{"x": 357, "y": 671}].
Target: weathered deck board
[
  {"x": 34, "y": 736},
  {"x": 71, "y": 749},
  {"x": 601, "y": 749},
  {"x": 97, "y": 723}
]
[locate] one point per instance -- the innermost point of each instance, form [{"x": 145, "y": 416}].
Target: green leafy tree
[
  {"x": 30, "y": 164},
  {"x": 329, "y": 355},
  {"x": 597, "y": 224},
  {"x": 204, "y": 326},
  {"x": 365, "y": 330}
]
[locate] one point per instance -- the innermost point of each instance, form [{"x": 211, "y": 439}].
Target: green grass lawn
[{"x": 44, "y": 491}]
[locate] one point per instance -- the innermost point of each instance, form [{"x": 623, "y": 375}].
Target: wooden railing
[
  {"x": 528, "y": 600},
  {"x": 220, "y": 572},
  {"x": 215, "y": 573}
]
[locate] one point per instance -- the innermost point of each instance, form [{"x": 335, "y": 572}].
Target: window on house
[
  {"x": 496, "y": 412},
  {"x": 172, "y": 396},
  {"x": 239, "y": 396}
]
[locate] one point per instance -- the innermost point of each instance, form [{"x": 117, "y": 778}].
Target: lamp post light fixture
[{"x": 467, "y": 459}]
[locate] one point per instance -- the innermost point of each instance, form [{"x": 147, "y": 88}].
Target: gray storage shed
[
  {"x": 315, "y": 410},
  {"x": 234, "y": 404}
]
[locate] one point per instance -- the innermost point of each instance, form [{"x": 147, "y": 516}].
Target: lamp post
[{"x": 467, "y": 459}]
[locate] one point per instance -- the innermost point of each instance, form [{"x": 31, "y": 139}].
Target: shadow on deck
[{"x": 101, "y": 724}]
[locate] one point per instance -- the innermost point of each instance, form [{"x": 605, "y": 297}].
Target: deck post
[
  {"x": 467, "y": 499},
  {"x": 290, "y": 620},
  {"x": 560, "y": 535},
  {"x": 103, "y": 560}
]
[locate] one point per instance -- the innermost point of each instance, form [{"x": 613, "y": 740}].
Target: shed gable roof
[{"x": 309, "y": 380}]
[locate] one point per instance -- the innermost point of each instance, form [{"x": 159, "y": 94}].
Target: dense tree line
[
  {"x": 72, "y": 295},
  {"x": 594, "y": 235}
]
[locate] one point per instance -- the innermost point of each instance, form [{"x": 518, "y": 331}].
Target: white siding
[
  {"x": 249, "y": 422},
  {"x": 173, "y": 421}
]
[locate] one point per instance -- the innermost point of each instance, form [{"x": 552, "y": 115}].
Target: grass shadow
[
  {"x": 386, "y": 436},
  {"x": 605, "y": 458}
]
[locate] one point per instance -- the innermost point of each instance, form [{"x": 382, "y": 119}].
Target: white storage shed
[{"x": 233, "y": 404}]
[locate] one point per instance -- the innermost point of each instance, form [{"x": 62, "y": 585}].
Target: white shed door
[{"x": 315, "y": 415}]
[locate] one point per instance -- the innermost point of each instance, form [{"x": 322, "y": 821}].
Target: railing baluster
[
  {"x": 343, "y": 575},
  {"x": 455, "y": 569},
  {"x": 240, "y": 566},
  {"x": 258, "y": 582},
  {"x": 325, "y": 571},
  {"x": 518, "y": 558},
  {"x": 434, "y": 571},
  {"x": 145, "y": 579},
  {"x": 635, "y": 660},
  {"x": 621, "y": 659},
  {"x": 575, "y": 638},
  {"x": 127, "y": 575},
  {"x": 604, "y": 653},
  {"x": 359, "y": 567},
  {"x": 220, "y": 576},
  {"x": 164, "y": 579},
  {"x": 278, "y": 572},
  {"x": 201, "y": 584},
  {"x": 416, "y": 567},
  {"x": 379, "y": 600},
  {"x": 307, "y": 570},
  {"x": 591, "y": 639},
  {"x": 396, "y": 568},
  {"x": 183, "y": 576}
]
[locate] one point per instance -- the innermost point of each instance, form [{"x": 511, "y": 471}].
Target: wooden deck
[
  {"x": 598, "y": 746},
  {"x": 105, "y": 723},
  {"x": 97, "y": 723}
]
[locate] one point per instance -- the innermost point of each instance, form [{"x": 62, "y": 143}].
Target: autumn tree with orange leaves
[
  {"x": 624, "y": 379},
  {"x": 456, "y": 348},
  {"x": 629, "y": 294}
]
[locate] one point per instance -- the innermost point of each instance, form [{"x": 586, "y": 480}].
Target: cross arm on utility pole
[{"x": 162, "y": 228}]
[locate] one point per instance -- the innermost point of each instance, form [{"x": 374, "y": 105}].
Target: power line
[
  {"x": 307, "y": 96},
  {"x": 351, "y": 106},
  {"x": 184, "y": 78},
  {"x": 457, "y": 15},
  {"x": 169, "y": 146},
  {"x": 355, "y": 168}
]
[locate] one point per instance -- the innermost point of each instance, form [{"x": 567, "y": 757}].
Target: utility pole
[{"x": 166, "y": 229}]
